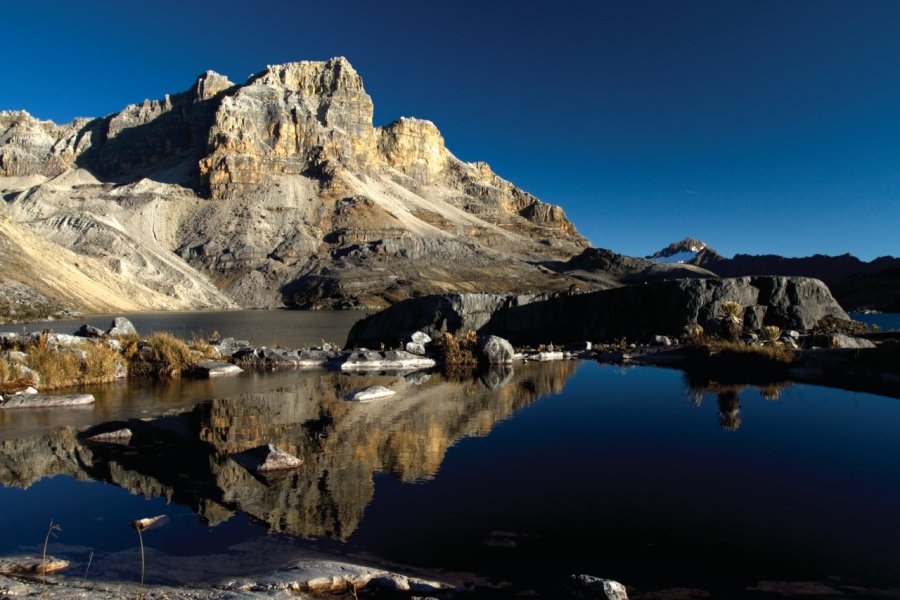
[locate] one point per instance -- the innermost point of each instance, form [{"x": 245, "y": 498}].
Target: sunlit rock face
[
  {"x": 278, "y": 191},
  {"x": 186, "y": 457}
]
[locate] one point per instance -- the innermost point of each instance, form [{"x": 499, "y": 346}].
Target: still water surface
[
  {"x": 523, "y": 476},
  {"x": 290, "y": 328}
]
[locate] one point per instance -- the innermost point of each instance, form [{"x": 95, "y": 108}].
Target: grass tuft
[{"x": 166, "y": 356}]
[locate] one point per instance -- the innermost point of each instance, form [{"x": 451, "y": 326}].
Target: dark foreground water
[{"x": 522, "y": 476}]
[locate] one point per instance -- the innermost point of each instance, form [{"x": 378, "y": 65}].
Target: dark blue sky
[{"x": 757, "y": 126}]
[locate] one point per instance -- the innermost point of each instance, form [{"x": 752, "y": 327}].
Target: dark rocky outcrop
[
  {"x": 853, "y": 282},
  {"x": 634, "y": 312}
]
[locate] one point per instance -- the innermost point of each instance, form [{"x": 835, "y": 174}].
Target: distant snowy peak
[{"x": 687, "y": 251}]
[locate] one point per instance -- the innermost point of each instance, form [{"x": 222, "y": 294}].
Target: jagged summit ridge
[{"x": 281, "y": 191}]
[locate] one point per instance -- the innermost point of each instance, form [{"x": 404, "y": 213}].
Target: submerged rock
[
  {"x": 373, "y": 360},
  {"x": 119, "y": 436},
  {"x": 214, "y": 368},
  {"x": 40, "y": 401}
]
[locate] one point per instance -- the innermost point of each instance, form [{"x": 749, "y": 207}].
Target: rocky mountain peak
[
  {"x": 209, "y": 85},
  {"x": 688, "y": 250},
  {"x": 311, "y": 204}
]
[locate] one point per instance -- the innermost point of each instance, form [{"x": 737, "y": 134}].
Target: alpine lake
[{"x": 520, "y": 476}]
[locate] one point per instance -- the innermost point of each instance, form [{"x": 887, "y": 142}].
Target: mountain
[
  {"x": 600, "y": 268},
  {"x": 686, "y": 251},
  {"x": 275, "y": 192},
  {"x": 855, "y": 283}
]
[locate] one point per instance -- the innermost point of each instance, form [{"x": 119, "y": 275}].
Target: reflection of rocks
[
  {"x": 185, "y": 457},
  {"x": 729, "y": 410},
  {"x": 497, "y": 376}
]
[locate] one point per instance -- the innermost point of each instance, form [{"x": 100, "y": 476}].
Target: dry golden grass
[
  {"x": 129, "y": 344},
  {"x": 56, "y": 368},
  {"x": 774, "y": 352},
  {"x": 203, "y": 347},
  {"x": 100, "y": 363},
  {"x": 168, "y": 356},
  {"x": 7, "y": 373}
]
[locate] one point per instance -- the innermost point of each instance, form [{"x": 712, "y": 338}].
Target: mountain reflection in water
[
  {"x": 184, "y": 456},
  {"x": 662, "y": 474}
]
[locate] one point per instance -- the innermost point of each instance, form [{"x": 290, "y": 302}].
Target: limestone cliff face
[
  {"x": 288, "y": 120},
  {"x": 280, "y": 191}
]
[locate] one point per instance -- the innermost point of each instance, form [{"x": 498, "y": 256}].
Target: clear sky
[{"x": 758, "y": 126}]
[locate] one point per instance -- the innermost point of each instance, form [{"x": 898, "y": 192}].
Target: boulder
[
  {"x": 266, "y": 459},
  {"x": 495, "y": 350},
  {"x": 89, "y": 331},
  {"x": 420, "y": 337},
  {"x": 634, "y": 312},
  {"x": 63, "y": 340},
  {"x": 842, "y": 340},
  {"x": 589, "y": 587},
  {"x": 121, "y": 326},
  {"x": 415, "y": 348},
  {"x": 373, "y": 392},
  {"x": 229, "y": 346},
  {"x": 661, "y": 340},
  {"x": 433, "y": 316}
]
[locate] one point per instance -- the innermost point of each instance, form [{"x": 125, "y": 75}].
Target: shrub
[
  {"x": 731, "y": 310},
  {"x": 771, "y": 333},
  {"x": 733, "y": 314},
  {"x": 457, "y": 352},
  {"x": 693, "y": 334}
]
